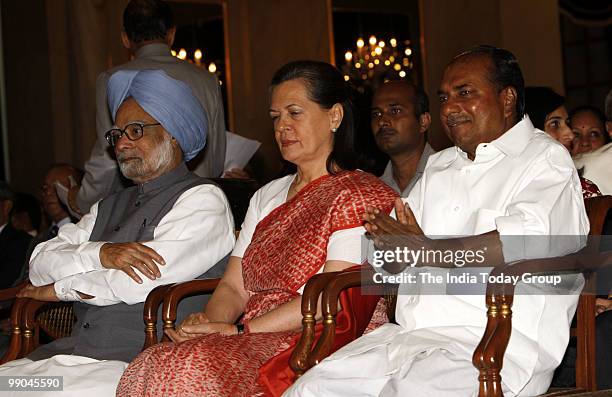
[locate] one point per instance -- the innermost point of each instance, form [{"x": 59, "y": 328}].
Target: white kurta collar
[{"x": 511, "y": 143}]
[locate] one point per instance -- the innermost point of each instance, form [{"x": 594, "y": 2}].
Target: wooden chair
[
  {"x": 30, "y": 319},
  {"x": 328, "y": 287},
  {"x": 351, "y": 323},
  {"x": 169, "y": 297},
  {"x": 488, "y": 356}
]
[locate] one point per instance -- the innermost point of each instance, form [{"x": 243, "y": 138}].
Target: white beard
[{"x": 136, "y": 169}]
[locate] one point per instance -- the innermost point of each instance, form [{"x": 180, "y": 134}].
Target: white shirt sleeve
[
  {"x": 345, "y": 245},
  {"x": 547, "y": 217},
  {"x": 192, "y": 237},
  {"x": 69, "y": 253}
]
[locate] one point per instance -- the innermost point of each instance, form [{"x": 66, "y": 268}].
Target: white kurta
[
  {"x": 523, "y": 183},
  {"x": 192, "y": 237}
]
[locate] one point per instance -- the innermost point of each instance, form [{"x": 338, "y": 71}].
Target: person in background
[
  {"x": 592, "y": 146},
  {"x": 26, "y": 214},
  {"x": 400, "y": 120},
  {"x": 547, "y": 112},
  {"x": 54, "y": 210},
  {"x": 589, "y": 127},
  {"x": 171, "y": 226},
  {"x": 13, "y": 243},
  {"x": 148, "y": 33}
]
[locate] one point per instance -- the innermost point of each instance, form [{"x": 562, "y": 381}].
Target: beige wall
[
  {"x": 54, "y": 50},
  {"x": 530, "y": 29},
  {"x": 264, "y": 35}
]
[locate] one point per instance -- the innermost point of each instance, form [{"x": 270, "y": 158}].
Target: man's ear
[
  {"x": 170, "y": 34},
  {"x": 424, "y": 122},
  {"x": 509, "y": 98},
  {"x": 127, "y": 43},
  {"x": 336, "y": 113}
]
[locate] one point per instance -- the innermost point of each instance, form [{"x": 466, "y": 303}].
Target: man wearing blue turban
[
  {"x": 171, "y": 226},
  {"x": 148, "y": 33},
  {"x": 170, "y": 102}
]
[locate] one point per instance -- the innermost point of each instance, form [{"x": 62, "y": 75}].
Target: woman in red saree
[{"x": 295, "y": 227}]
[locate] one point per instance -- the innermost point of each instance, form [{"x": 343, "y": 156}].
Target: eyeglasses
[{"x": 133, "y": 131}]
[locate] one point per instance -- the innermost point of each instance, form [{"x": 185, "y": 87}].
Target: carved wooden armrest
[
  {"x": 489, "y": 354},
  {"x": 329, "y": 308},
  {"x": 14, "y": 349},
  {"x": 31, "y": 324},
  {"x": 178, "y": 291},
  {"x": 310, "y": 298},
  {"x": 24, "y": 327},
  {"x": 151, "y": 305}
]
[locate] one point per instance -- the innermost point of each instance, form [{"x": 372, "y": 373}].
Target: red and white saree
[{"x": 288, "y": 246}]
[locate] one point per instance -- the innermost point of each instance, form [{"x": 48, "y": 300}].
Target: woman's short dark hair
[
  {"x": 539, "y": 103},
  {"x": 145, "y": 20},
  {"x": 597, "y": 113},
  {"x": 506, "y": 72},
  {"x": 326, "y": 87}
]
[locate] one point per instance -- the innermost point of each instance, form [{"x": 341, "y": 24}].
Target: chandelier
[
  {"x": 197, "y": 60},
  {"x": 377, "y": 60}
]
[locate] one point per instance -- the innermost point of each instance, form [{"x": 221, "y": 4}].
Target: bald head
[{"x": 57, "y": 173}]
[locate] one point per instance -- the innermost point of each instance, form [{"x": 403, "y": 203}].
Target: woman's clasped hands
[{"x": 198, "y": 324}]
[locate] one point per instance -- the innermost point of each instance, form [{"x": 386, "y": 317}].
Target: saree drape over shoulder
[{"x": 289, "y": 245}]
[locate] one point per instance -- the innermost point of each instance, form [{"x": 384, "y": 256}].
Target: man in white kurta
[
  {"x": 171, "y": 226},
  {"x": 520, "y": 182}
]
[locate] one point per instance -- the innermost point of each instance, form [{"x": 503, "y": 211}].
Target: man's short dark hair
[
  {"x": 506, "y": 72},
  {"x": 145, "y": 20},
  {"x": 420, "y": 100}
]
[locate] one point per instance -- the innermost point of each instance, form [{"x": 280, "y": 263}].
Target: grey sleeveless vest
[{"x": 116, "y": 332}]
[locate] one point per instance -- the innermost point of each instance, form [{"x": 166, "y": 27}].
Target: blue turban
[{"x": 171, "y": 102}]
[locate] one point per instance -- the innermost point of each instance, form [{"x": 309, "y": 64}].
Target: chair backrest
[
  {"x": 597, "y": 209},
  {"x": 238, "y": 193},
  {"x": 57, "y": 321}
]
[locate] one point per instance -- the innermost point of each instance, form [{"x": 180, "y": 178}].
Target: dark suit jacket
[{"x": 13, "y": 247}]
